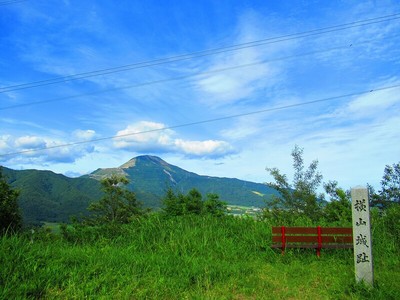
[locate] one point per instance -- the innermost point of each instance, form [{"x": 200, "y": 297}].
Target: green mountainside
[
  {"x": 47, "y": 196},
  {"x": 51, "y": 197},
  {"x": 150, "y": 176}
]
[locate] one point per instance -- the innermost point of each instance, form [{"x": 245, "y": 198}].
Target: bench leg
[
  {"x": 319, "y": 241},
  {"x": 283, "y": 236}
]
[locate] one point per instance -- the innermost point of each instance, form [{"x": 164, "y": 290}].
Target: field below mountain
[{"x": 189, "y": 257}]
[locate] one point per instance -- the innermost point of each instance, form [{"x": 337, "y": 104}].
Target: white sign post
[{"x": 362, "y": 235}]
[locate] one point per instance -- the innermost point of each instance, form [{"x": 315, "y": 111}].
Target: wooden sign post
[{"x": 362, "y": 235}]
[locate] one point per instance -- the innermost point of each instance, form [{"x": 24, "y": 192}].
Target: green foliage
[
  {"x": 338, "y": 210},
  {"x": 391, "y": 183},
  {"x": 10, "y": 216},
  {"x": 388, "y": 223},
  {"x": 192, "y": 203},
  {"x": 118, "y": 204},
  {"x": 299, "y": 198},
  {"x": 390, "y": 188},
  {"x": 46, "y": 196},
  {"x": 188, "y": 257},
  {"x": 212, "y": 205},
  {"x": 375, "y": 200},
  {"x": 173, "y": 204}
]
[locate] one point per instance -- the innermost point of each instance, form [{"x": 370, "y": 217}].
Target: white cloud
[
  {"x": 5, "y": 145},
  {"x": 372, "y": 108},
  {"x": 84, "y": 134},
  {"x": 236, "y": 84},
  {"x": 151, "y": 137},
  {"x": 232, "y": 85},
  {"x": 204, "y": 148},
  {"x": 40, "y": 150},
  {"x": 29, "y": 142},
  {"x": 374, "y": 103},
  {"x": 144, "y": 136}
]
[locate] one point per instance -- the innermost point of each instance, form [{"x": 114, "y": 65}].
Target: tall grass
[{"x": 189, "y": 257}]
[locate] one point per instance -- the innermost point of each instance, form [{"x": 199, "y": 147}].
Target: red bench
[{"x": 312, "y": 237}]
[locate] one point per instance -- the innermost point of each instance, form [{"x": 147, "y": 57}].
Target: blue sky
[{"x": 352, "y": 137}]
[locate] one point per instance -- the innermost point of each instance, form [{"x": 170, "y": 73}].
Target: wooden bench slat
[
  {"x": 314, "y": 246},
  {"x": 311, "y": 246},
  {"x": 338, "y": 246},
  {"x": 343, "y": 239},
  {"x": 336, "y": 230},
  {"x": 312, "y": 239},
  {"x": 276, "y": 230},
  {"x": 296, "y": 239},
  {"x": 313, "y": 230},
  {"x": 295, "y": 230}
]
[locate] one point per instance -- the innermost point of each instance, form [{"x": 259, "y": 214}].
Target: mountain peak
[{"x": 143, "y": 158}]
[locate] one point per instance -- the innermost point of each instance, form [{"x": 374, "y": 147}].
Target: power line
[
  {"x": 204, "y": 121},
  {"x": 352, "y": 46},
  {"x": 201, "y": 53},
  {"x": 3, "y": 3}
]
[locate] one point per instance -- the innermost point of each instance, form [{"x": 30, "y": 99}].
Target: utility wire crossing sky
[
  {"x": 199, "y": 53},
  {"x": 135, "y": 69},
  {"x": 200, "y": 122}
]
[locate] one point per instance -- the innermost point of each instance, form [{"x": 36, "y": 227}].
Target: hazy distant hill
[{"x": 47, "y": 196}]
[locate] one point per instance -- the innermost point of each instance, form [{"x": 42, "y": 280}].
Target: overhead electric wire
[
  {"x": 3, "y": 3},
  {"x": 352, "y": 46},
  {"x": 201, "y": 53},
  {"x": 204, "y": 121}
]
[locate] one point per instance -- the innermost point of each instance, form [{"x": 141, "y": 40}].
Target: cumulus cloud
[
  {"x": 204, "y": 148},
  {"x": 5, "y": 143},
  {"x": 41, "y": 150},
  {"x": 29, "y": 142},
  {"x": 152, "y": 137},
  {"x": 144, "y": 136}
]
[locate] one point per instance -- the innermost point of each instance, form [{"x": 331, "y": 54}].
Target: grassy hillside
[{"x": 191, "y": 257}]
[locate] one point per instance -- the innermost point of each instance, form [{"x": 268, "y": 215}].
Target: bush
[
  {"x": 10, "y": 215},
  {"x": 192, "y": 203}
]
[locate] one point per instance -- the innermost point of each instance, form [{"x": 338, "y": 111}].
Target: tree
[
  {"x": 173, "y": 205},
  {"x": 10, "y": 215},
  {"x": 180, "y": 204},
  {"x": 375, "y": 199},
  {"x": 118, "y": 204},
  {"x": 214, "y": 206},
  {"x": 391, "y": 183},
  {"x": 300, "y": 197},
  {"x": 338, "y": 209},
  {"x": 390, "y": 192},
  {"x": 192, "y": 203}
]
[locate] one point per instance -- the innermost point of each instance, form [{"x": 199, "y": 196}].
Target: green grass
[{"x": 191, "y": 257}]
